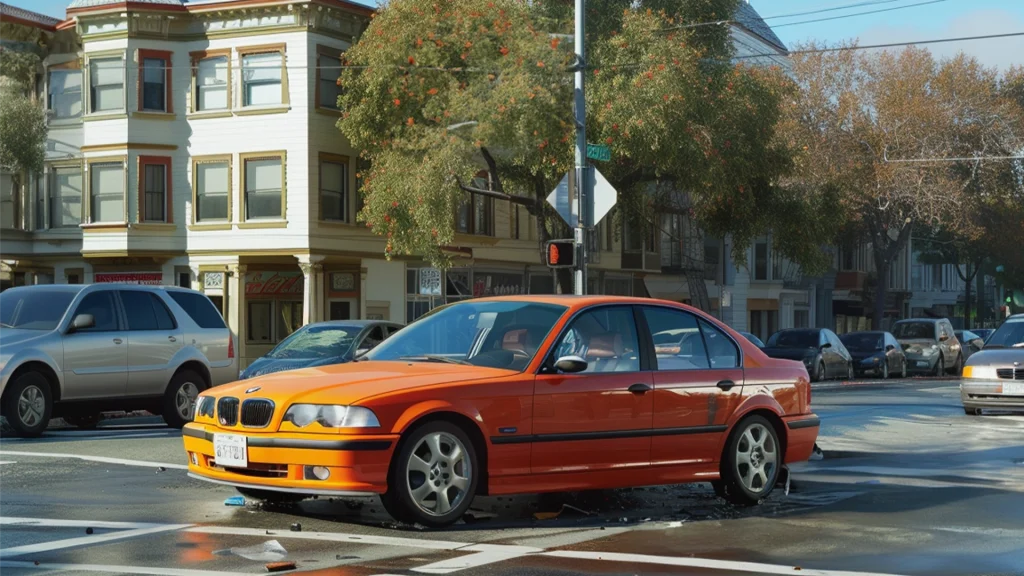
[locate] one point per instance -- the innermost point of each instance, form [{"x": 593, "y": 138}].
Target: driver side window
[
  {"x": 104, "y": 311},
  {"x": 606, "y": 338}
]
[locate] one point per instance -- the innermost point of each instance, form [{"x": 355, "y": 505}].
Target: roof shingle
[
  {"x": 8, "y": 11},
  {"x": 747, "y": 17}
]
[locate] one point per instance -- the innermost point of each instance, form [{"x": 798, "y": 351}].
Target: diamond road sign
[
  {"x": 599, "y": 152},
  {"x": 563, "y": 199}
]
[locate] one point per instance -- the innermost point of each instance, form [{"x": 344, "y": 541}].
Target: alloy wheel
[
  {"x": 185, "y": 399},
  {"x": 885, "y": 370},
  {"x": 439, "y": 473},
  {"x": 31, "y": 406},
  {"x": 756, "y": 458}
]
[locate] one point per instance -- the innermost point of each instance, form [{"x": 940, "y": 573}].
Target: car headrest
[{"x": 605, "y": 345}]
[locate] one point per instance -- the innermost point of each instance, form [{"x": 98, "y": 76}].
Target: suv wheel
[
  {"x": 180, "y": 398},
  {"x": 27, "y": 404}
]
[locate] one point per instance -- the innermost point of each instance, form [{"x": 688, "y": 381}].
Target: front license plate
[
  {"x": 1013, "y": 389},
  {"x": 922, "y": 364},
  {"x": 229, "y": 450}
]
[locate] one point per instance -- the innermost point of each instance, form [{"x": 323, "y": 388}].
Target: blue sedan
[{"x": 322, "y": 343}]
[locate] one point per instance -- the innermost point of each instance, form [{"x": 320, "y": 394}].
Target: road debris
[
  {"x": 553, "y": 515},
  {"x": 279, "y": 566},
  {"x": 296, "y": 527},
  {"x": 269, "y": 551},
  {"x": 235, "y": 501}
]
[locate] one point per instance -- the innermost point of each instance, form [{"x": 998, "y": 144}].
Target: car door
[
  {"x": 154, "y": 337},
  {"x": 697, "y": 385},
  {"x": 96, "y": 358},
  {"x": 598, "y": 419}
]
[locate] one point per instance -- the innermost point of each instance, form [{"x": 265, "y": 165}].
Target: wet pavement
[{"x": 909, "y": 485}]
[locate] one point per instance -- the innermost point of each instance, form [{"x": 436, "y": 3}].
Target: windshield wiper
[
  {"x": 5, "y": 325},
  {"x": 435, "y": 358}
]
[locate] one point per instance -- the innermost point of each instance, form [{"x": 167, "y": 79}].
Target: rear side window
[
  {"x": 199, "y": 309},
  {"x": 145, "y": 311},
  {"x": 721, "y": 350}
]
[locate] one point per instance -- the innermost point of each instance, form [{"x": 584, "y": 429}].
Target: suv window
[
  {"x": 678, "y": 343},
  {"x": 145, "y": 311},
  {"x": 103, "y": 309},
  {"x": 199, "y": 308},
  {"x": 721, "y": 349}
]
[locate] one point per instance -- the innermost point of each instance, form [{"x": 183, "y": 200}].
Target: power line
[
  {"x": 894, "y": 44},
  {"x": 833, "y": 9},
  {"x": 734, "y": 21},
  {"x": 858, "y": 14}
]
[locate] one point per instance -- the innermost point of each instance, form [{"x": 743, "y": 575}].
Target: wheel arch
[
  {"x": 43, "y": 368},
  {"x": 194, "y": 366},
  {"x": 437, "y": 410},
  {"x": 760, "y": 405}
]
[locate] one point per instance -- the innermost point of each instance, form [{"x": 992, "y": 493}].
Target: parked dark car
[
  {"x": 320, "y": 344},
  {"x": 970, "y": 340},
  {"x": 875, "y": 353},
  {"x": 930, "y": 345},
  {"x": 753, "y": 339},
  {"x": 821, "y": 351}
]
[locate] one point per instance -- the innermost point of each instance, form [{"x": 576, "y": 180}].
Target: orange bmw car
[{"x": 515, "y": 395}]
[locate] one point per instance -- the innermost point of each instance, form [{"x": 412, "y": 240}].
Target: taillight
[
  {"x": 808, "y": 395},
  {"x": 231, "y": 347}
]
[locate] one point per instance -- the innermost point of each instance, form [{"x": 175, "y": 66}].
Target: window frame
[
  {"x": 346, "y": 196},
  {"x": 88, "y": 109},
  {"x": 275, "y": 305},
  {"x": 65, "y": 68},
  {"x": 115, "y": 301},
  {"x": 737, "y": 347},
  {"x": 196, "y": 58},
  {"x": 143, "y": 162},
  {"x": 165, "y": 57},
  {"x": 330, "y": 52},
  {"x": 51, "y": 182},
  {"x": 281, "y": 155},
  {"x": 89, "y": 163},
  {"x": 469, "y": 199},
  {"x": 700, "y": 333},
  {"x": 280, "y": 49},
  {"x": 214, "y": 159},
  {"x": 152, "y": 296}
]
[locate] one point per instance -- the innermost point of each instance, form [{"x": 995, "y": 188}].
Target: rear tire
[
  {"x": 27, "y": 404},
  {"x": 85, "y": 421},
  {"x": 940, "y": 366},
  {"x": 180, "y": 398},
  {"x": 903, "y": 370},
  {"x": 972, "y": 411},
  {"x": 271, "y": 496},
  {"x": 751, "y": 462},
  {"x": 885, "y": 370},
  {"x": 822, "y": 374},
  {"x": 958, "y": 365}
]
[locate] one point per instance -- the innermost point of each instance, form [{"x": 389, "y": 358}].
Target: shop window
[
  {"x": 263, "y": 183},
  {"x": 264, "y": 78},
  {"x": 66, "y": 197},
  {"x": 154, "y": 81},
  {"x": 328, "y": 72},
  {"x": 289, "y": 318},
  {"x": 340, "y": 310},
  {"x": 155, "y": 189},
  {"x": 333, "y": 188},
  {"x": 260, "y": 320},
  {"x": 271, "y": 321},
  {"x": 212, "y": 186},
  {"x": 212, "y": 82},
  {"x": 106, "y": 84},
  {"x": 106, "y": 189},
  {"x": 64, "y": 93}
]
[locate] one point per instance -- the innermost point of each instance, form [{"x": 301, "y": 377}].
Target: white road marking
[
  {"x": 111, "y": 569},
  {"x": 735, "y": 566},
  {"x": 15, "y": 522},
  {"x": 335, "y": 537},
  {"x": 102, "y": 459},
  {"x": 485, "y": 554},
  {"x": 8, "y": 462},
  {"x": 87, "y": 540}
]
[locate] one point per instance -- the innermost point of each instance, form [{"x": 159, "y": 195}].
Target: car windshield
[
  {"x": 914, "y": 330},
  {"x": 794, "y": 339},
  {"x": 33, "y": 309},
  {"x": 1009, "y": 335},
  {"x": 497, "y": 334},
  {"x": 866, "y": 342},
  {"x": 316, "y": 342}
]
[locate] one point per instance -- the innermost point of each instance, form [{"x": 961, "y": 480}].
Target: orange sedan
[{"x": 515, "y": 395}]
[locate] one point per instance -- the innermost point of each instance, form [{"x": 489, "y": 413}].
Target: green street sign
[{"x": 599, "y": 152}]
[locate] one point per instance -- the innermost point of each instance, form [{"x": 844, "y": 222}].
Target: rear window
[{"x": 199, "y": 308}]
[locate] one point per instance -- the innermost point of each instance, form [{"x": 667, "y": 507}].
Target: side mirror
[
  {"x": 571, "y": 364},
  {"x": 826, "y": 345},
  {"x": 81, "y": 322}
]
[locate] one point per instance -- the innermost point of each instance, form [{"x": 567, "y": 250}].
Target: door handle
[
  {"x": 172, "y": 338},
  {"x": 726, "y": 384},
  {"x": 639, "y": 388},
  {"x": 117, "y": 340}
]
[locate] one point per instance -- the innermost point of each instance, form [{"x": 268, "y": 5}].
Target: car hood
[
  {"x": 264, "y": 365},
  {"x": 790, "y": 353},
  {"x": 997, "y": 357},
  {"x": 21, "y": 338},
  {"x": 353, "y": 381}
]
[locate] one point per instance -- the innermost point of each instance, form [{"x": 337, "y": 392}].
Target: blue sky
[{"x": 945, "y": 18}]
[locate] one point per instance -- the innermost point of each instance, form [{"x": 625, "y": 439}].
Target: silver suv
[{"x": 74, "y": 351}]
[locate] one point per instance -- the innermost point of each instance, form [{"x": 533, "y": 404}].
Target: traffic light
[{"x": 560, "y": 253}]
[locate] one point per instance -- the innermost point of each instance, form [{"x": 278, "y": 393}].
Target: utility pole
[{"x": 584, "y": 192}]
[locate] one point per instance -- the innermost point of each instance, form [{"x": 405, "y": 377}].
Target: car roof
[{"x": 70, "y": 288}]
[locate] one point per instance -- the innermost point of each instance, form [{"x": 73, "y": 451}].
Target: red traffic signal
[{"x": 560, "y": 253}]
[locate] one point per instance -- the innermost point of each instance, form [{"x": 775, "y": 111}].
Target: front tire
[
  {"x": 271, "y": 496},
  {"x": 958, "y": 365},
  {"x": 821, "y": 374},
  {"x": 433, "y": 477},
  {"x": 940, "y": 367},
  {"x": 28, "y": 405},
  {"x": 903, "y": 370},
  {"x": 972, "y": 411},
  {"x": 850, "y": 375},
  {"x": 751, "y": 463},
  {"x": 885, "y": 370},
  {"x": 180, "y": 397}
]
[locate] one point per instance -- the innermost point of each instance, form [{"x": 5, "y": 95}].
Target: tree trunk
[
  {"x": 881, "y": 289},
  {"x": 967, "y": 298}
]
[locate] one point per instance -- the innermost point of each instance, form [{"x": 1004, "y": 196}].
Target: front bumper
[
  {"x": 996, "y": 394},
  {"x": 921, "y": 364},
  {"x": 358, "y": 465},
  {"x": 801, "y": 434}
]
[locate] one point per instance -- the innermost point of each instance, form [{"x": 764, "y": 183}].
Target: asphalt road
[{"x": 909, "y": 485}]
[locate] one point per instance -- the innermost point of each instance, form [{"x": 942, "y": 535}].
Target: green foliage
[
  {"x": 19, "y": 67},
  {"x": 437, "y": 91},
  {"x": 22, "y": 121}
]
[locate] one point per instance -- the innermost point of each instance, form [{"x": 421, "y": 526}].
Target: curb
[{"x": 892, "y": 382}]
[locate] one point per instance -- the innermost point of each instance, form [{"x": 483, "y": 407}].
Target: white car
[{"x": 994, "y": 376}]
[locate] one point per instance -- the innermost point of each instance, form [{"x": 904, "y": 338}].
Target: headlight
[
  {"x": 331, "y": 416},
  {"x": 204, "y": 407},
  {"x": 980, "y": 372}
]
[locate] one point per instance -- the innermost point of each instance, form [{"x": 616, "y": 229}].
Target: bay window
[
  {"x": 212, "y": 74},
  {"x": 264, "y": 81},
  {"x": 64, "y": 93},
  {"x": 212, "y": 186},
  {"x": 106, "y": 84},
  {"x": 263, "y": 186},
  {"x": 155, "y": 189},
  {"x": 328, "y": 71},
  {"x": 66, "y": 197},
  {"x": 333, "y": 188},
  {"x": 106, "y": 190},
  {"x": 154, "y": 81}
]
